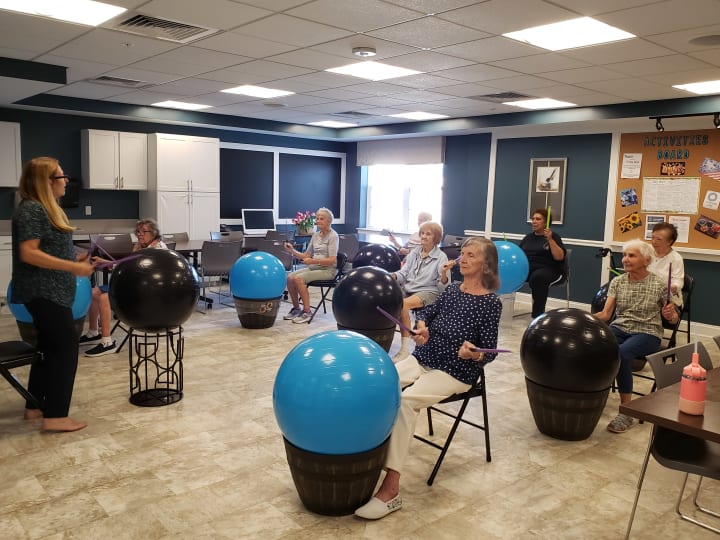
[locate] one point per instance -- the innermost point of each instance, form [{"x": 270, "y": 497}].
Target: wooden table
[{"x": 661, "y": 408}]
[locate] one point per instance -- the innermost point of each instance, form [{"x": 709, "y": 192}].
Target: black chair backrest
[
  {"x": 116, "y": 245},
  {"x": 667, "y": 373},
  {"x": 342, "y": 260},
  {"x": 218, "y": 257}
]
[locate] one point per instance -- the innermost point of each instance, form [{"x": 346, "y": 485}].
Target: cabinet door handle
[
  {"x": 117, "y": 182},
  {"x": 122, "y": 182}
]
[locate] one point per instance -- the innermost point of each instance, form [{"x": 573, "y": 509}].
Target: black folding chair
[
  {"x": 477, "y": 389},
  {"x": 14, "y": 354},
  {"x": 327, "y": 285}
]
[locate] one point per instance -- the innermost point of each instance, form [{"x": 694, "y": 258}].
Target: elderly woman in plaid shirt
[{"x": 636, "y": 300}]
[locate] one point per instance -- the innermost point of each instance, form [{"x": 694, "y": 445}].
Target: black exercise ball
[
  {"x": 158, "y": 289},
  {"x": 379, "y": 255},
  {"x": 361, "y": 291},
  {"x": 598, "y": 301},
  {"x": 569, "y": 349}
]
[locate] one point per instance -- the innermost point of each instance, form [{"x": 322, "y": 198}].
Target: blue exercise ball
[
  {"x": 257, "y": 276},
  {"x": 513, "y": 266},
  {"x": 336, "y": 393},
  {"x": 380, "y": 255},
  {"x": 83, "y": 297},
  {"x": 81, "y": 304}
]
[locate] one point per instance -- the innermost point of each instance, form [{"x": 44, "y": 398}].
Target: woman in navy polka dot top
[{"x": 465, "y": 317}]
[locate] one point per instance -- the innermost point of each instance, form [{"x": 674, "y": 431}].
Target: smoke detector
[{"x": 364, "y": 52}]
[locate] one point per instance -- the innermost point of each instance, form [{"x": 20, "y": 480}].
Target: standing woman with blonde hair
[{"x": 43, "y": 278}]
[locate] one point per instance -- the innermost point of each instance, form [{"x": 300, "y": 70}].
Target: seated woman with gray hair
[
  {"x": 321, "y": 260},
  {"x": 635, "y": 301},
  {"x": 422, "y": 278}
]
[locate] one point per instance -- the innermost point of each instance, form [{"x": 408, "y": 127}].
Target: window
[{"x": 396, "y": 194}]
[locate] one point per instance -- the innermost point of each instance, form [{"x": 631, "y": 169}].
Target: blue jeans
[{"x": 632, "y": 346}]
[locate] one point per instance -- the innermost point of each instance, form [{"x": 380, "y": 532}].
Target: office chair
[
  {"x": 216, "y": 262},
  {"x": 477, "y": 389},
  {"x": 676, "y": 450}
]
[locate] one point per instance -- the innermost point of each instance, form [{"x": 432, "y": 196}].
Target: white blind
[{"x": 412, "y": 151}]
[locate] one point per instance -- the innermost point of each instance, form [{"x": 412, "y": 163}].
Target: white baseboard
[{"x": 698, "y": 329}]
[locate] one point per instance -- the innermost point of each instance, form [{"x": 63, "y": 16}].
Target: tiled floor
[{"x": 213, "y": 465}]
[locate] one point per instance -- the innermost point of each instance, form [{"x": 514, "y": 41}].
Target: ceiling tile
[
  {"x": 310, "y": 59},
  {"x": 189, "y": 87},
  {"x": 711, "y": 56},
  {"x": 668, "y": 16},
  {"x": 428, "y": 33},
  {"x": 291, "y": 30},
  {"x": 476, "y": 73},
  {"x": 665, "y": 64},
  {"x": 680, "y": 40},
  {"x": 343, "y": 47},
  {"x": 594, "y": 73},
  {"x": 501, "y": 16},
  {"x": 540, "y": 63},
  {"x": 491, "y": 49},
  {"x": 189, "y": 61},
  {"x": 231, "y": 42},
  {"x": 432, "y": 6},
  {"x": 620, "y": 51},
  {"x": 88, "y": 90},
  {"x": 466, "y": 90},
  {"x": 427, "y": 61},
  {"x": 358, "y": 15},
  {"x": 12, "y": 90},
  {"x": 77, "y": 69},
  {"x": 36, "y": 34},
  {"x": 106, "y": 46}
]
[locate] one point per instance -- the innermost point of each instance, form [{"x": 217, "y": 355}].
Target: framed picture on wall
[{"x": 547, "y": 187}]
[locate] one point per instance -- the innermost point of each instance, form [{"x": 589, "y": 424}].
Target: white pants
[{"x": 429, "y": 386}]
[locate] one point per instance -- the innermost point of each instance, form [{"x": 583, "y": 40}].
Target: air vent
[
  {"x": 501, "y": 97},
  {"x": 167, "y": 29},
  {"x": 119, "y": 81},
  {"x": 352, "y": 114}
]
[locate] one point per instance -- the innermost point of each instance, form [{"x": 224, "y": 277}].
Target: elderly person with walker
[
  {"x": 635, "y": 302},
  {"x": 447, "y": 360}
]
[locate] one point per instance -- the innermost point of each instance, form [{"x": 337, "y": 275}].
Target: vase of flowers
[{"x": 305, "y": 222}]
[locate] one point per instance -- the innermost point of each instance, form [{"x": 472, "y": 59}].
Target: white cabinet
[
  {"x": 194, "y": 212},
  {"x": 5, "y": 263},
  {"x": 10, "y": 166},
  {"x": 183, "y": 163},
  {"x": 114, "y": 160}
]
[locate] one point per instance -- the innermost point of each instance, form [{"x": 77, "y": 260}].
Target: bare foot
[
  {"x": 62, "y": 424},
  {"x": 32, "y": 414}
]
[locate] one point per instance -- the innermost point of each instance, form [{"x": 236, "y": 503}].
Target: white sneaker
[
  {"x": 294, "y": 312},
  {"x": 304, "y": 317}
]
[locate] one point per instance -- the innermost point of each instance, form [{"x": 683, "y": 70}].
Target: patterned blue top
[
  {"x": 29, "y": 282},
  {"x": 453, "y": 318}
]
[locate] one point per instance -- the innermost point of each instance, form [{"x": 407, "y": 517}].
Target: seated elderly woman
[
  {"x": 321, "y": 260},
  {"x": 148, "y": 235},
  {"x": 664, "y": 235},
  {"x": 422, "y": 278},
  {"x": 636, "y": 299},
  {"x": 465, "y": 317},
  {"x": 414, "y": 240}
]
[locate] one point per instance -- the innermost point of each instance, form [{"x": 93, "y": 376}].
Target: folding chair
[
  {"x": 15, "y": 354},
  {"x": 564, "y": 278},
  {"x": 676, "y": 450},
  {"x": 477, "y": 389},
  {"x": 327, "y": 285}
]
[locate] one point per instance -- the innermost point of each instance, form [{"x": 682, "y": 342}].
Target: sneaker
[
  {"x": 294, "y": 312},
  {"x": 304, "y": 317},
  {"x": 85, "y": 339},
  {"x": 101, "y": 350},
  {"x": 620, "y": 424}
]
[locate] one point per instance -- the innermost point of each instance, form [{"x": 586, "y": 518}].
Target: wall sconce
[{"x": 658, "y": 124}]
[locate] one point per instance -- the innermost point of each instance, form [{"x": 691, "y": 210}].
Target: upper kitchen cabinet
[
  {"x": 183, "y": 163},
  {"x": 114, "y": 160}
]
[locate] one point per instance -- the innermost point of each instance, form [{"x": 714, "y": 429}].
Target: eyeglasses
[
  {"x": 138, "y": 233},
  {"x": 59, "y": 176}
]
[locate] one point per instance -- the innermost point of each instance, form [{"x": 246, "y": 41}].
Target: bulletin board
[{"x": 669, "y": 176}]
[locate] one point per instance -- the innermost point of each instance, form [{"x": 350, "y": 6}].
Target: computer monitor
[{"x": 258, "y": 221}]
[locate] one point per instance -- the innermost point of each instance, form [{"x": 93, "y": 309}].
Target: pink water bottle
[{"x": 693, "y": 386}]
